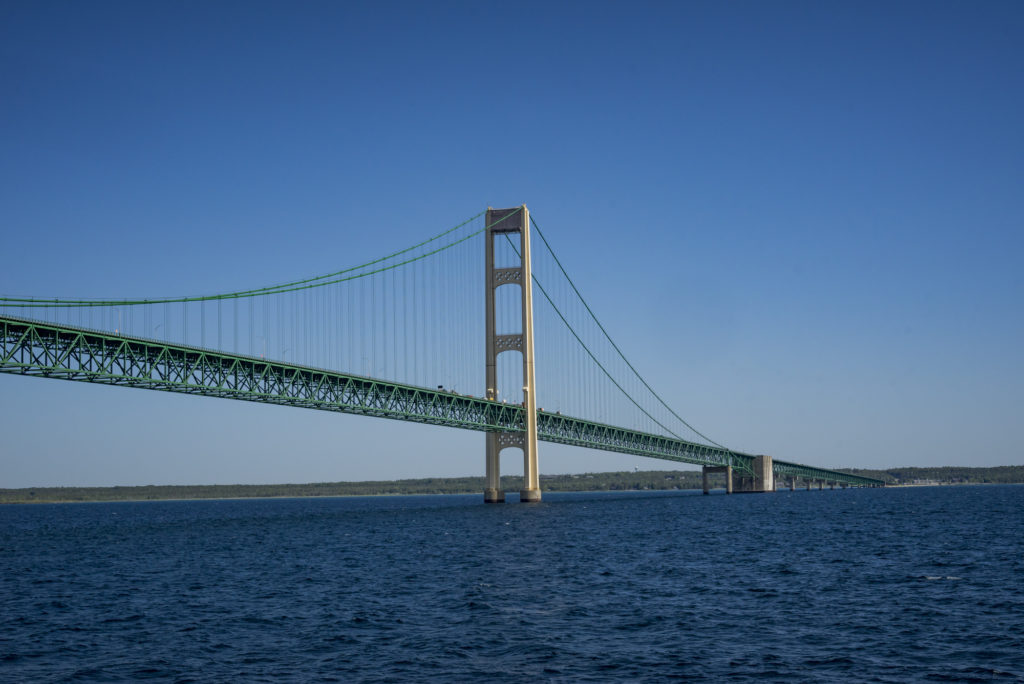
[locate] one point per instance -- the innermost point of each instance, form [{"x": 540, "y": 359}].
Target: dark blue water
[{"x": 865, "y": 585}]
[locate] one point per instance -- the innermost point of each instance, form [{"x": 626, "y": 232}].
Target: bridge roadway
[{"x": 49, "y": 350}]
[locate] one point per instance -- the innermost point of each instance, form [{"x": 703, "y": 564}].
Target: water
[{"x": 865, "y": 585}]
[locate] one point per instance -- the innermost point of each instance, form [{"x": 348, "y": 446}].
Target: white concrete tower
[{"x": 502, "y": 222}]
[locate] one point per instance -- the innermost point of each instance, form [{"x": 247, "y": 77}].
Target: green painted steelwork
[
  {"x": 554, "y": 427},
  {"x": 70, "y": 353},
  {"x": 784, "y": 469}
]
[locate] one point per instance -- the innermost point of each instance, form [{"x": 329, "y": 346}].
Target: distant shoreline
[
  {"x": 649, "y": 480},
  {"x": 780, "y": 489}
]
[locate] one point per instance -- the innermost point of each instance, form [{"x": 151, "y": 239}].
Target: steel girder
[
  {"x": 32, "y": 348},
  {"x": 554, "y": 427},
  {"x": 70, "y": 353},
  {"x": 784, "y": 469}
]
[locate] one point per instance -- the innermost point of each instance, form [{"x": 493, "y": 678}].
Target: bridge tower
[{"x": 502, "y": 223}]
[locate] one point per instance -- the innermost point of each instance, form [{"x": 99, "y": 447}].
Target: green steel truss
[
  {"x": 69, "y": 353},
  {"x": 554, "y": 427},
  {"x": 785, "y": 470}
]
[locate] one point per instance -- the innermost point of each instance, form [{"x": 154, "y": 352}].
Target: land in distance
[{"x": 619, "y": 481}]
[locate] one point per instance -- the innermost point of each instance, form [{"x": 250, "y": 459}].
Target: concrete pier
[
  {"x": 809, "y": 485},
  {"x": 763, "y": 479},
  {"x": 529, "y": 495},
  {"x": 706, "y": 470},
  {"x": 792, "y": 484}
]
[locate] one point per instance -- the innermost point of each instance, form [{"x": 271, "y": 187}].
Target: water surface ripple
[{"x": 923, "y": 584}]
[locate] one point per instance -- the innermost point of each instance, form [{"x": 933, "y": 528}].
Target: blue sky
[{"x": 804, "y": 220}]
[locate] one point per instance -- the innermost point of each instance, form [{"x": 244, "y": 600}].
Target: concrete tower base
[
  {"x": 494, "y": 496},
  {"x": 763, "y": 479},
  {"x": 718, "y": 469},
  {"x": 529, "y": 496}
]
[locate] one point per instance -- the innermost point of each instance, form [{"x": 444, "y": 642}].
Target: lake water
[{"x": 888, "y": 585}]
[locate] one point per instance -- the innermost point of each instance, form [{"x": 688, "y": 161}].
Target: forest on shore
[{"x": 617, "y": 481}]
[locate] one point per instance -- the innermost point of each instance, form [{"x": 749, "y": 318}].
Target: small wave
[{"x": 130, "y": 618}]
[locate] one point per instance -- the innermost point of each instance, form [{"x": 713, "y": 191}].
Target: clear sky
[{"x": 804, "y": 220}]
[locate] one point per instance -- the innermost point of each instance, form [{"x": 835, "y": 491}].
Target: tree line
[{"x": 616, "y": 481}]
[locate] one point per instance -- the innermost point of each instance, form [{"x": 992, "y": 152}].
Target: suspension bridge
[{"x": 445, "y": 332}]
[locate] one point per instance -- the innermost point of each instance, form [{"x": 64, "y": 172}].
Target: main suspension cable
[
  {"x": 294, "y": 286},
  {"x": 611, "y": 341}
]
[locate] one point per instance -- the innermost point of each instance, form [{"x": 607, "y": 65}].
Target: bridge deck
[{"x": 59, "y": 351}]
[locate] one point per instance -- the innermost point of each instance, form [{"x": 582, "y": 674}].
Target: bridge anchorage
[{"x": 397, "y": 325}]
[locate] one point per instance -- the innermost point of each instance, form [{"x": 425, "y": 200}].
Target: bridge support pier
[
  {"x": 529, "y": 495},
  {"x": 763, "y": 479},
  {"x": 809, "y": 485},
  {"x": 493, "y": 492},
  {"x": 501, "y": 223},
  {"x": 792, "y": 484},
  {"x": 717, "y": 469}
]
